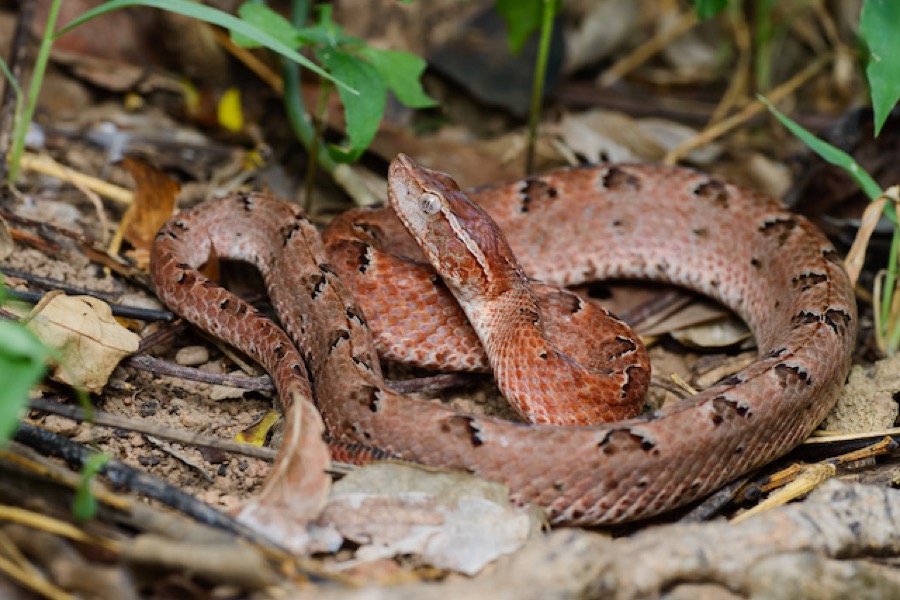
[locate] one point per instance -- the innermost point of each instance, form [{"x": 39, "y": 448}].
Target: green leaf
[
  {"x": 329, "y": 33},
  {"x": 84, "y": 505},
  {"x": 833, "y": 155},
  {"x": 522, "y": 17},
  {"x": 401, "y": 72},
  {"x": 265, "y": 19},
  {"x": 22, "y": 364},
  {"x": 878, "y": 24},
  {"x": 707, "y": 9},
  {"x": 317, "y": 36},
  {"x": 4, "y": 68},
  {"x": 362, "y": 112},
  {"x": 216, "y": 17}
]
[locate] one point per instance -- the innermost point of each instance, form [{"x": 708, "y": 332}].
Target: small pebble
[
  {"x": 191, "y": 356},
  {"x": 61, "y": 425}
]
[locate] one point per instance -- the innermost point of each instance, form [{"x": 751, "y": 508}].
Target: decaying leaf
[
  {"x": 154, "y": 202},
  {"x": 701, "y": 324},
  {"x": 452, "y": 520},
  {"x": 722, "y": 333},
  {"x": 89, "y": 340},
  {"x": 296, "y": 489}
]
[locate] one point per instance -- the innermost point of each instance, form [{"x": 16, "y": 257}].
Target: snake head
[{"x": 461, "y": 241}]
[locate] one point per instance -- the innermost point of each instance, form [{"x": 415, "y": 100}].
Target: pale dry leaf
[
  {"x": 670, "y": 135},
  {"x": 723, "y": 333},
  {"x": 7, "y": 245},
  {"x": 607, "y": 136},
  {"x": 451, "y": 520},
  {"x": 89, "y": 340}
]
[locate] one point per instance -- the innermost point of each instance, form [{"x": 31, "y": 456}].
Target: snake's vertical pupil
[{"x": 429, "y": 203}]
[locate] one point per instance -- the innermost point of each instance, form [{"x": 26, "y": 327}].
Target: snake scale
[{"x": 773, "y": 268}]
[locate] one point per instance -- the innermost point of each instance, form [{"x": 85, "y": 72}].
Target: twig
[
  {"x": 125, "y": 477},
  {"x": 47, "y": 166},
  {"x": 165, "y": 333},
  {"x": 737, "y": 85},
  {"x": 432, "y": 383},
  {"x": 128, "y": 312},
  {"x": 49, "y": 283},
  {"x": 724, "y": 126},
  {"x": 142, "y": 426},
  {"x": 91, "y": 248}
]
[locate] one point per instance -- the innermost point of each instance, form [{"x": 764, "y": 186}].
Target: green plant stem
[
  {"x": 299, "y": 117},
  {"x": 11, "y": 101},
  {"x": 537, "y": 88},
  {"x": 763, "y": 34},
  {"x": 34, "y": 89}
]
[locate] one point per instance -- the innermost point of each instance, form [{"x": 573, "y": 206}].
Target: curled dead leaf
[
  {"x": 88, "y": 339},
  {"x": 296, "y": 489},
  {"x": 154, "y": 202}
]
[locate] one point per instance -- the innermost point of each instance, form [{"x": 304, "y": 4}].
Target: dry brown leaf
[
  {"x": 87, "y": 337},
  {"x": 212, "y": 268},
  {"x": 154, "y": 202},
  {"x": 295, "y": 491},
  {"x": 452, "y": 520}
]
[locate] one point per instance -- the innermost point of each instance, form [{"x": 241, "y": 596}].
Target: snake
[{"x": 340, "y": 301}]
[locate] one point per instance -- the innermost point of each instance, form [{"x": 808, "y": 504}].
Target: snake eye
[{"x": 429, "y": 203}]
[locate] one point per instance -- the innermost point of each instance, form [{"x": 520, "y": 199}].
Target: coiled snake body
[{"x": 773, "y": 268}]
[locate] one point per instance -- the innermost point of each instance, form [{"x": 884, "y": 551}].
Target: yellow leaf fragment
[{"x": 257, "y": 433}]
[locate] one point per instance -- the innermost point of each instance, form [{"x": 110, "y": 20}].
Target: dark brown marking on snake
[
  {"x": 788, "y": 372},
  {"x": 618, "y": 179},
  {"x": 838, "y": 319},
  {"x": 723, "y": 408},
  {"x": 780, "y": 227},
  {"x": 533, "y": 190},
  {"x": 463, "y": 426},
  {"x": 714, "y": 190},
  {"x": 807, "y": 280}
]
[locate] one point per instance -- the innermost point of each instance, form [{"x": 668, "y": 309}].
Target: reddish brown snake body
[{"x": 773, "y": 268}]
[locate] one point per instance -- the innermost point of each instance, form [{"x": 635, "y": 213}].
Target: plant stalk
[
  {"x": 34, "y": 89},
  {"x": 537, "y": 87}
]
